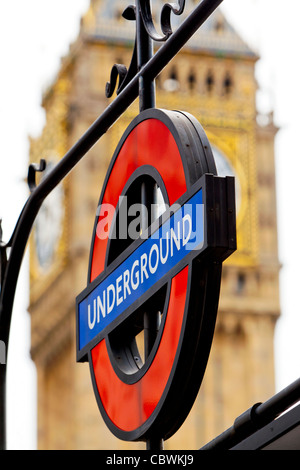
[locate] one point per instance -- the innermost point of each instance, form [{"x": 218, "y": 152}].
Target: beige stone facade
[{"x": 213, "y": 79}]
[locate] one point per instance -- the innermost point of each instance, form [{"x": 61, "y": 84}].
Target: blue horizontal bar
[{"x": 157, "y": 256}]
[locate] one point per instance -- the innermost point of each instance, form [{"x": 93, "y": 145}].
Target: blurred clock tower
[{"x": 213, "y": 78}]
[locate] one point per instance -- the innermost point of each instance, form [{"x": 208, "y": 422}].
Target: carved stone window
[
  {"x": 241, "y": 283},
  {"x": 172, "y": 83},
  {"x": 227, "y": 84},
  {"x": 192, "y": 80},
  {"x": 209, "y": 81}
]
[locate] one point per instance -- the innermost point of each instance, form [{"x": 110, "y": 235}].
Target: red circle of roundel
[
  {"x": 149, "y": 143},
  {"x": 172, "y": 143}
]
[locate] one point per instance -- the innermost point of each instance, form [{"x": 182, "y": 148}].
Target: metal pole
[
  {"x": 146, "y": 101},
  {"x": 144, "y": 54},
  {"x": 20, "y": 236},
  {"x": 151, "y": 318}
]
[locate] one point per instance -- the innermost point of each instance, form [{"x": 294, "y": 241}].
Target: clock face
[
  {"x": 224, "y": 168},
  {"x": 49, "y": 225}
]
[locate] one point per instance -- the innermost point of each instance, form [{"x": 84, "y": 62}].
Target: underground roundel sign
[{"x": 165, "y": 223}]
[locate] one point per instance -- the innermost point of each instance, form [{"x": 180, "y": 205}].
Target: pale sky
[{"x": 34, "y": 35}]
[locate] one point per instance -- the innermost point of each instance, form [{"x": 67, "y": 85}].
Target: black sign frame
[{"x": 205, "y": 267}]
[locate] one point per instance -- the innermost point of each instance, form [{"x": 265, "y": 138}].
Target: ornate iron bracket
[
  {"x": 165, "y": 19},
  {"x": 31, "y": 181},
  {"x": 32, "y": 170},
  {"x": 120, "y": 71}
]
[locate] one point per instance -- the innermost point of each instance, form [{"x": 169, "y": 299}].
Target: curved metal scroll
[
  {"x": 32, "y": 170},
  {"x": 120, "y": 71},
  {"x": 165, "y": 18}
]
